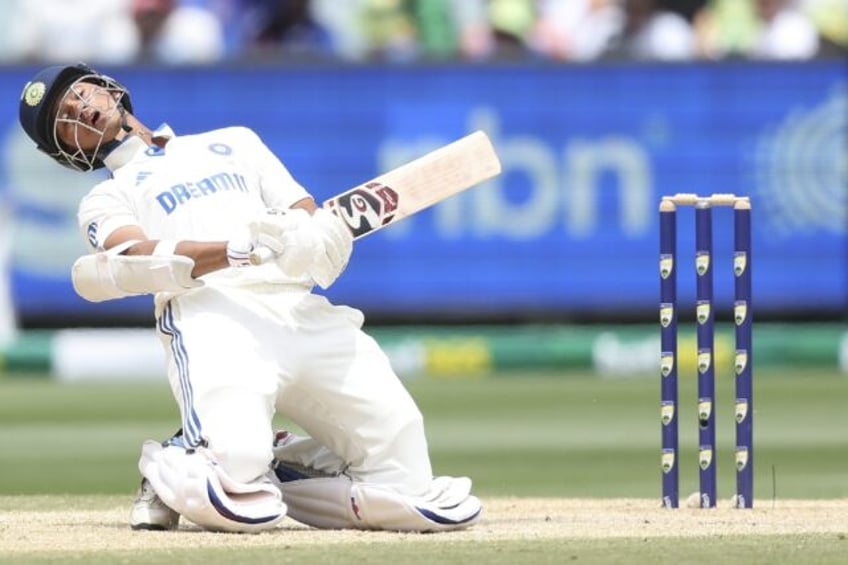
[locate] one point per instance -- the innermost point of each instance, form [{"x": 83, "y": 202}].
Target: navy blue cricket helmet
[{"x": 38, "y": 109}]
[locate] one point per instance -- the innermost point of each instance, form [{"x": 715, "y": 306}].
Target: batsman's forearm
[{"x": 207, "y": 256}]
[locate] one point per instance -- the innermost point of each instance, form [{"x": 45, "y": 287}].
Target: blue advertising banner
[{"x": 571, "y": 226}]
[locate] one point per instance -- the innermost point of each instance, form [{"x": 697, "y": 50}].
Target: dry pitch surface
[{"x": 505, "y": 519}]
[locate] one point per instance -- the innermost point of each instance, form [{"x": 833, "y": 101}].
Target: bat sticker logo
[{"x": 366, "y": 208}]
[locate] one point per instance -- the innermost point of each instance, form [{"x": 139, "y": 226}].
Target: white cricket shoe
[{"x": 150, "y": 513}]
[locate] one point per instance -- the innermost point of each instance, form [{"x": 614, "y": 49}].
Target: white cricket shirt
[{"x": 203, "y": 187}]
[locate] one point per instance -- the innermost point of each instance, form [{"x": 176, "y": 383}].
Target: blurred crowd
[{"x": 213, "y": 31}]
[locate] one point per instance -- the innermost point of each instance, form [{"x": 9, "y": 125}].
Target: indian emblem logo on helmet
[{"x": 33, "y": 93}]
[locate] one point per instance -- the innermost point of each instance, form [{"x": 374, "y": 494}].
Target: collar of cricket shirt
[{"x": 133, "y": 145}]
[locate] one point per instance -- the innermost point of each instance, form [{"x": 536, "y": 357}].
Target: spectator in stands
[
  {"x": 686, "y": 8},
  {"x": 830, "y": 17},
  {"x": 576, "y": 30},
  {"x": 389, "y": 30},
  {"x": 392, "y": 30},
  {"x": 725, "y": 29},
  {"x": 756, "y": 29},
  {"x": 512, "y": 22},
  {"x": 174, "y": 32},
  {"x": 283, "y": 28},
  {"x": 343, "y": 22},
  {"x": 99, "y": 31},
  {"x": 652, "y": 33},
  {"x": 436, "y": 24},
  {"x": 494, "y": 29},
  {"x": 783, "y": 32}
]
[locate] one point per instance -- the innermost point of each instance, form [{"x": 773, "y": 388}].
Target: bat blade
[
  {"x": 416, "y": 185},
  {"x": 412, "y": 187}
]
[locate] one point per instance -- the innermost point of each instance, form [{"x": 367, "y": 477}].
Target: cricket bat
[{"x": 410, "y": 188}]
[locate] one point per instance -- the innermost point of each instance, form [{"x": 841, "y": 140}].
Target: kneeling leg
[{"x": 337, "y": 502}]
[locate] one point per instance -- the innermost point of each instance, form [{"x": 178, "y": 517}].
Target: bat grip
[{"x": 260, "y": 255}]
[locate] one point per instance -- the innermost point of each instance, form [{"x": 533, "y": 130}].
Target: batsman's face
[{"x": 87, "y": 116}]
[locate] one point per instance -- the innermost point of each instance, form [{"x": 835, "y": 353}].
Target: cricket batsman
[{"x": 178, "y": 219}]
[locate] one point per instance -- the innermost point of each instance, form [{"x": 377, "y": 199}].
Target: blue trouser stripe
[
  {"x": 191, "y": 423},
  {"x": 440, "y": 519},
  {"x": 231, "y": 514}
]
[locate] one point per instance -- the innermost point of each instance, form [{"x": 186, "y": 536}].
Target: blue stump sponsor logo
[
  {"x": 705, "y": 409},
  {"x": 667, "y": 412},
  {"x": 666, "y": 314},
  {"x": 705, "y": 357},
  {"x": 668, "y": 460},
  {"x": 740, "y": 312},
  {"x": 741, "y": 410},
  {"x": 741, "y": 362},
  {"x": 702, "y": 310},
  {"x": 666, "y": 265},
  {"x": 741, "y": 457},
  {"x": 666, "y": 363},
  {"x": 702, "y": 263},
  {"x": 705, "y": 457},
  {"x": 740, "y": 263}
]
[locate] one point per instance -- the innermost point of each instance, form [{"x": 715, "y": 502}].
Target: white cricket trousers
[{"x": 238, "y": 354}]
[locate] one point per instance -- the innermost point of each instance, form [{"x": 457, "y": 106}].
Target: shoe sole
[{"x": 152, "y": 527}]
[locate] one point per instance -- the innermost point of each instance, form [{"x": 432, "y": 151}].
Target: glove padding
[
  {"x": 317, "y": 245},
  {"x": 338, "y": 245},
  {"x": 108, "y": 275}
]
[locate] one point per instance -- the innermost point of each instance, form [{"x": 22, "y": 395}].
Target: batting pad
[
  {"x": 195, "y": 485},
  {"x": 339, "y": 503}
]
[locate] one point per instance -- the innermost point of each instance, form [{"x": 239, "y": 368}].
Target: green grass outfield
[
  {"x": 571, "y": 435},
  {"x": 568, "y": 435}
]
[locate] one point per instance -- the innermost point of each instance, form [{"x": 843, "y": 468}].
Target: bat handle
[{"x": 260, "y": 255}]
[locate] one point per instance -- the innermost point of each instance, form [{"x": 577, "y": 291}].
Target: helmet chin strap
[{"x": 124, "y": 125}]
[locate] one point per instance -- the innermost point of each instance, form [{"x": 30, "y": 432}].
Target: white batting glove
[
  {"x": 239, "y": 248},
  {"x": 318, "y": 246},
  {"x": 290, "y": 236},
  {"x": 338, "y": 246}
]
